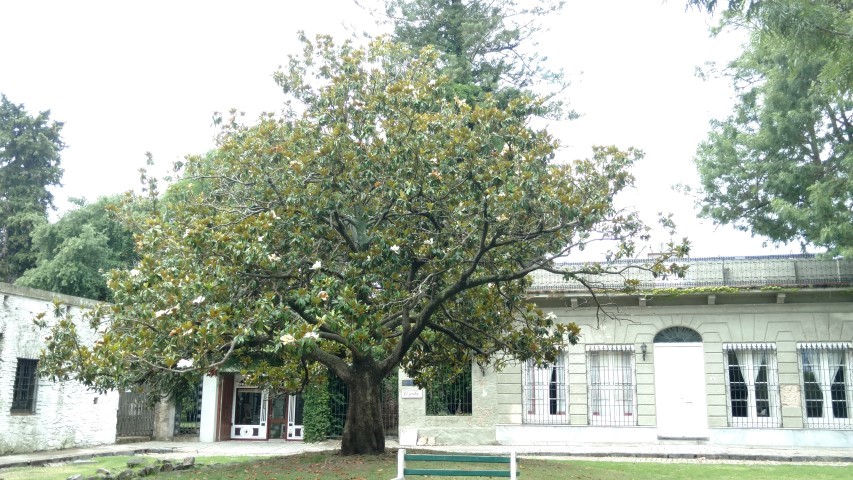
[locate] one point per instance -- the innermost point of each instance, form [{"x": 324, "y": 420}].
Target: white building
[
  {"x": 35, "y": 413},
  {"x": 743, "y": 351}
]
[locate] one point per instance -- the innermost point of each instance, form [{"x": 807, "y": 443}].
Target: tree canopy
[
  {"x": 29, "y": 164},
  {"x": 781, "y": 164},
  {"x": 379, "y": 222},
  {"x": 74, "y": 254}
]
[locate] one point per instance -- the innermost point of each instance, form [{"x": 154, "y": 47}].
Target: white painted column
[{"x": 209, "y": 392}]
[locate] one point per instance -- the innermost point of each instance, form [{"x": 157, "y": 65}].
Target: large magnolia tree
[{"x": 379, "y": 222}]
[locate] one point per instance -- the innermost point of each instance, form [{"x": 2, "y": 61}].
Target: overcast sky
[{"x": 130, "y": 77}]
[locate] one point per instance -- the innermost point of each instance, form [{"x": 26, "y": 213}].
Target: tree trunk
[{"x": 363, "y": 430}]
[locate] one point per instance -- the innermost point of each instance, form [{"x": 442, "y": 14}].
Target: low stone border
[
  {"x": 59, "y": 458},
  {"x": 136, "y": 470}
]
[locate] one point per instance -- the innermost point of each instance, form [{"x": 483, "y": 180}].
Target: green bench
[{"x": 403, "y": 471}]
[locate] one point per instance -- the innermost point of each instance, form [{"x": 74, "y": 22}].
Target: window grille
[
  {"x": 612, "y": 392},
  {"x": 24, "y": 390},
  {"x": 546, "y": 392},
  {"x": 752, "y": 383},
  {"x": 450, "y": 394},
  {"x": 826, "y": 385}
]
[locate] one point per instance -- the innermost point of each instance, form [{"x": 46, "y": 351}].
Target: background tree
[
  {"x": 29, "y": 164},
  {"x": 382, "y": 223},
  {"x": 782, "y": 164},
  {"x": 74, "y": 254},
  {"x": 486, "y": 46}
]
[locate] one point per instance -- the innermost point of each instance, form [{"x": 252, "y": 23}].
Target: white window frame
[
  {"x": 543, "y": 387},
  {"x": 612, "y": 388},
  {"x": 823, "y": 360},
  {"x": 749, "y": 356}
]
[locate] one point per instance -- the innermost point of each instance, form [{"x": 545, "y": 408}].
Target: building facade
[
  {"x": 743, "y": 351},
  {"x": 36, "y": 413}
]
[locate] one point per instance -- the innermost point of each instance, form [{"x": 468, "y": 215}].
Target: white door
[
  {"x": 249, "y": 418},
  {"x": 295, "y": 406},
  {"x": 680, "y": 390}
]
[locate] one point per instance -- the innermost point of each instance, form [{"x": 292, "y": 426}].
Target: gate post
[{"x": 164, "y": 419}]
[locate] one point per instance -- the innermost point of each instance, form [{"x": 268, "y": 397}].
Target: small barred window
[
  {"x": 450, "y": 394},
  {"x": 24, "y": 390}
]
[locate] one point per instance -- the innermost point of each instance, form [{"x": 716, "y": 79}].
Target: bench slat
[
  {"x": 416, "y": 457},
  {"x": 457, "y": 473}
]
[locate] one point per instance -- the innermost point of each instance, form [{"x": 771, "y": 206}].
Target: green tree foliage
[
  {"x": 782, "y": 164},
  {"x": 486, "y": 46},
  {"x": 29, "y": 164},
  {"x": 74, "y": 254},
  {"x": 378, "y": 223}
]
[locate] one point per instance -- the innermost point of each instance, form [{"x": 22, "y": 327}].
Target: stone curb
[{"x": 58, "y": 457}]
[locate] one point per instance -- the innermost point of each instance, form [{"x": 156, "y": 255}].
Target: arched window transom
[{"x": 677, "y": 335}]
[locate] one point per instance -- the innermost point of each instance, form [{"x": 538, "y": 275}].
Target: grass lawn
[{"x": 329, "y": 466}]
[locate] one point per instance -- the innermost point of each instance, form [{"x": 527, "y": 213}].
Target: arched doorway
[{"x": 679, "y": 360}]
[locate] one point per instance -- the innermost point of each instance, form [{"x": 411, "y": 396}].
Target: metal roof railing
[{"x": 741, "y": 272}]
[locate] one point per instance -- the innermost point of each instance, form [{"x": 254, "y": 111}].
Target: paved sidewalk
[{"x": 610, "y": 451}]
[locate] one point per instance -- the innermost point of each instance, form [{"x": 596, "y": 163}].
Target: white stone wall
[{"x": 67, "y": 414}]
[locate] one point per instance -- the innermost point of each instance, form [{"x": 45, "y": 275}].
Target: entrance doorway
[
  {"x": 285, "y": 420},
  {"x": 680, "y": 386},
  {"x": 249, "y": 416}
]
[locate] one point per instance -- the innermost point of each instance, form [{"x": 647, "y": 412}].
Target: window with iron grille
[
  {"x": 827, "y": 391},
  {"x": 450, "y": 393},
  {"x": 752, "y": 385},
  {"x": 612, "y": 392},
  {"x": 546, "y": 392},
  {"x": 24, "y": 389}
]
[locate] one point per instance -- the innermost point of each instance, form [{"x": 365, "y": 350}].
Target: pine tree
[{"x": 29, "y": 164}]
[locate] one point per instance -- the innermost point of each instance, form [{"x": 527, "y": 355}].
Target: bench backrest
[{"x": 403, "y": 457}]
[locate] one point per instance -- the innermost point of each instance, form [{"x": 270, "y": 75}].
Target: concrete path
[{"x": 608, "y": 451}]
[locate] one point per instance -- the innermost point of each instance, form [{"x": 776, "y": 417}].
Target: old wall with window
[
  {"x": 771, "y": 370},
  {"x": 741, "y": 351},
  {"x": 460, "y": 410},
  {"x": 35, "y": 413}
]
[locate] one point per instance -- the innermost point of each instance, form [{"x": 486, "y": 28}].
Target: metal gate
[
  {"x": 135, "y": 415},
  {"x": 188, "y": 411}
]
